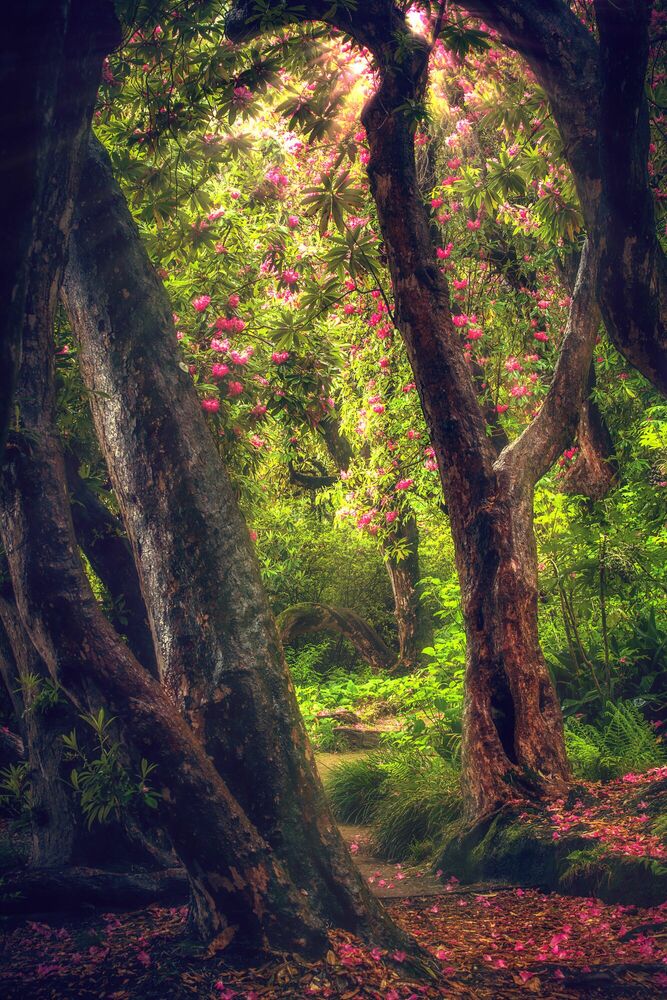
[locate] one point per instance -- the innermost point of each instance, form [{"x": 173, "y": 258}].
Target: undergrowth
[{"x": 405, "y": 796}]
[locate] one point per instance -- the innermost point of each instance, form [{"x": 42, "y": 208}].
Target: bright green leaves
[
  {"x": 336, "y": 196},
  {"x": 354, "y": 251}
]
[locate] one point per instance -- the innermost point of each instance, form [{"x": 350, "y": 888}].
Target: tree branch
[{"x": 533, "y": 453}]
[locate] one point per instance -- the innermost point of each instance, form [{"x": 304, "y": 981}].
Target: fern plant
[{"x": 624, "y": 742}]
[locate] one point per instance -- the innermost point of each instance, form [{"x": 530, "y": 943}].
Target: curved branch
[
  {"x": 533, "y": 453},
  {"x": 304, "y": 618}
]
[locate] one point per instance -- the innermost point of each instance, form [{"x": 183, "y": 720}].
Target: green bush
[{"x": 405, "y": 795}]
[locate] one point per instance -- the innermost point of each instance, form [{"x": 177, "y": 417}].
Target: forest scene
[{"x": 333, "y": 499}]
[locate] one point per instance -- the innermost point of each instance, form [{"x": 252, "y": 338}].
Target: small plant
[
  {"x": 15, "y": 790},
  {"x": 624, "y": 742},
  {"x": 39, "y": 693},
  {"x": 104, "y": 786}
]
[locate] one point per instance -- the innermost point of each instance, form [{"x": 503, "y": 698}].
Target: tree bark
[
  {"x": 304, "y": 618},
  {"x": 50, "y": 66},
  {"x": 102, "y": 538},
  {"x": 219, "y": 654},
  {"x": 413, "y": 623}
]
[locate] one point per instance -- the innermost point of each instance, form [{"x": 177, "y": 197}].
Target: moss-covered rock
[{"x": 520, "y": 849}]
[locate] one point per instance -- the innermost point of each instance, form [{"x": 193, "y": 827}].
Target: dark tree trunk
[
  {"x": 305, "y": 618},
  {"x": 218, "y": 650},
  {"x": 44, "y": 890},
  {"x": 60, "y": 834},
  {"x": 412, "y": 620},
  {"x": 50, "y": 64},
  {"x": 102, "y": 538}
]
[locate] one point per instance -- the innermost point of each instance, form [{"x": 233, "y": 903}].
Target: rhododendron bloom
[
  {"x": 210, "y": 405},
  {"x": 404, "y": 484},
  {"x": 219, "y": 345},
  {"x": 463, "y": 283},
  {"x": 280, "y": 357},
  {"x": 474, "y": 333},
  {"x": 391, "y": 516},
  {"x": 217, "y": 371},
  {"x": 460, "y": 319},
  {"x": 442, "y": 253},
  {"x": 502, "y": 407},
  {"x": 512, "y": 365},
  {"x": 201, "y": 303},
  {"x": 378, "y": 408},
  {"x": 519, "y": 390},
  {"x": 289, "y": 276},
  {"x": 293, "y": 221},
  {"x": 233, "y": 300},
  {"x": 235, "y": 388},
  {"x": 541, "y": 335},
  {"x": 242, "y": 357}
]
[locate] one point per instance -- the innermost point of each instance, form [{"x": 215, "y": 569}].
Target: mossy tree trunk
[
  {"x": 302, "y": 619},
  {"x": 219, "y": 654}
]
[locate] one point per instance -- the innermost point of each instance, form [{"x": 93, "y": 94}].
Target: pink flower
[
  {"x": 289, "y": 276},
  {"x": 475, "y": 333},
  {"x": 540, "y": 335},
  {"x": 442, "y": 253},
  {"x": 502, "y": 407},
  {"x": 235, "y": 388},
  {"x": 210, "y": 405},
  {"x": 391, "y": 516},
  {"x": 201, "y": 303},
  {"x": 233, "y": 301},
  {"x": 279, "y": 357},
  {"x": 217, "y": 371},
  {"x": 293, "y": 221},
  {"x": 404, "y": 484},
  {"x": 378, "y": 408}
]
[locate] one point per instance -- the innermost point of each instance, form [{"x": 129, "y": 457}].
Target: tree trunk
[
  {"x": 43, "y": 890},
  {"x": 594, "y": 471},
  {"x": 60, "y": 834},
  {"x": 218, "y": 650},
  {"x": 51, "y": 54},
  {"x": 304, "y": 618},
  {"x": 512, "y": 731},
  {"x": 102, "y": 538},
  {"x": 414, "y": 625}
]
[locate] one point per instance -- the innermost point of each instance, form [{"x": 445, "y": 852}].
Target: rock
[
  {"x": 358, "y": 738},
  {"x": 342, "y": 715}
]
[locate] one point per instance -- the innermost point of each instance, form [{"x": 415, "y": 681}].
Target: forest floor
[{"x": 489, "y": 941}]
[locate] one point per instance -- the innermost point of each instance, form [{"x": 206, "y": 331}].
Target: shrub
[{"x": 405, "y": 795}]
